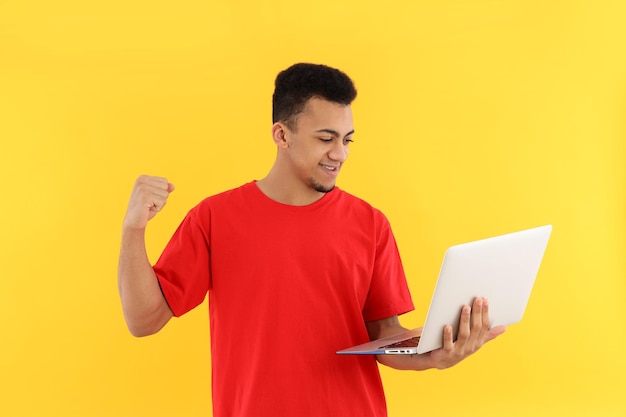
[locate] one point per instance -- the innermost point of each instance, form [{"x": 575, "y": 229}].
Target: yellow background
[{"x": 475, "y": 117}]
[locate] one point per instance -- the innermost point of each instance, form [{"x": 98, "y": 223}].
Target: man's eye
[{"x": 326, "y": 139}]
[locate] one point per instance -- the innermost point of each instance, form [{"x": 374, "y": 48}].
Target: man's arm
[
  {"x": 144, "y": 305},
  {"x": 474, "y": 332}
]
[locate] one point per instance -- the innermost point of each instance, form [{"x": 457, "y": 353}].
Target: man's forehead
[{"x": 328, "y": 114}]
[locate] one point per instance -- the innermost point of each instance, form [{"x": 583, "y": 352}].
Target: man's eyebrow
[{"x": 334, "y": 132}]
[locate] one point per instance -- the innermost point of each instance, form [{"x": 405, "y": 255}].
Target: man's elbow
[
  {"x": 146, "y": 327},
  {"x": 141, "y": 331}
]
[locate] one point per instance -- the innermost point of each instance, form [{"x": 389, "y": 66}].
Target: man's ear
[{"x": 279, "y": 134}]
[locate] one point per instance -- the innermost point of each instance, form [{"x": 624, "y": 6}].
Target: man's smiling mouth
[{"x": 330, "y": 167}]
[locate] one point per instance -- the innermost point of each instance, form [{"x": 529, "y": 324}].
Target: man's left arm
[{"x": 474, "y": 332}]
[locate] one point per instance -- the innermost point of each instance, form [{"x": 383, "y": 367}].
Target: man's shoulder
[
  {"x": 357, "y": 203},
  {"x": 229, "y": 197},
  {"x": 349, "y": 198},
  {"x": 243, "y": 191}
]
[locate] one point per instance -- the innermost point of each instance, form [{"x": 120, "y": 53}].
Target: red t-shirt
[{"x": 288, "y": 287}]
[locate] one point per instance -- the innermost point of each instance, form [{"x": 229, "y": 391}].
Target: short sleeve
[
  {"x": 389, "y": 293},
  {"x": 184, "y": 268}
]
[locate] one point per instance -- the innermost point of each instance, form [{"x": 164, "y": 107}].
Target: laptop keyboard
[{"x": 411, "y": 342}]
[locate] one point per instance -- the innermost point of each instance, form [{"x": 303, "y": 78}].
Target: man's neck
[{"x": 291, "y": 192}]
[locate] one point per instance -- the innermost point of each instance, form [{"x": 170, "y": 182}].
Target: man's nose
[{"x": 339, "y": 152}]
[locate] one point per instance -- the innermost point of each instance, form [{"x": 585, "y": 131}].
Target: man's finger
[
  {"x": 485, "y": 320},
  {"x": 477, "y": 315},
  {"x": 464, "y": 326},
  {"x": 495, "y": 332},
  {"x": 448, "y": 341}
]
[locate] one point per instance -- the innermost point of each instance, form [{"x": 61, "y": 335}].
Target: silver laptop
[{"x": 501, "y": 269}]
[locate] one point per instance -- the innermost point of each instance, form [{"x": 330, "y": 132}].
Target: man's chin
[
  {"x": 325, "y": 189},
  {"x": 322, "y": 188}
]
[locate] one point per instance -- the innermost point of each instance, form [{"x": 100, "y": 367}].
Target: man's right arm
[{"x": 144, "y": 305}]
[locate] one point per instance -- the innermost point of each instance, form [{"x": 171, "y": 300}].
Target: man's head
[{"x": 301, "y": 82}]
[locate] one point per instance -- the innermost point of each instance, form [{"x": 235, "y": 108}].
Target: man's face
[{"x": 318, "y": 146}]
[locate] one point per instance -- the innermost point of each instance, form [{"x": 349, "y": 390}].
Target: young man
[{"x": 294, "y": 267}]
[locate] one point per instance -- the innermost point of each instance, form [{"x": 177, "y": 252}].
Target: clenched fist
[{"x": 147, "y": 199}]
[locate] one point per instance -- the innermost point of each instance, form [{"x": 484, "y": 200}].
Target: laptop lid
[{"x": 502, "y": 269}]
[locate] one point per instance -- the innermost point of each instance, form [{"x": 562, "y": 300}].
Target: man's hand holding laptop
[{"x": 473, "y": 333}]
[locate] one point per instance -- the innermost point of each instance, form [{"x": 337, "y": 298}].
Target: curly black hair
[{"x": 300, "y": 82}]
